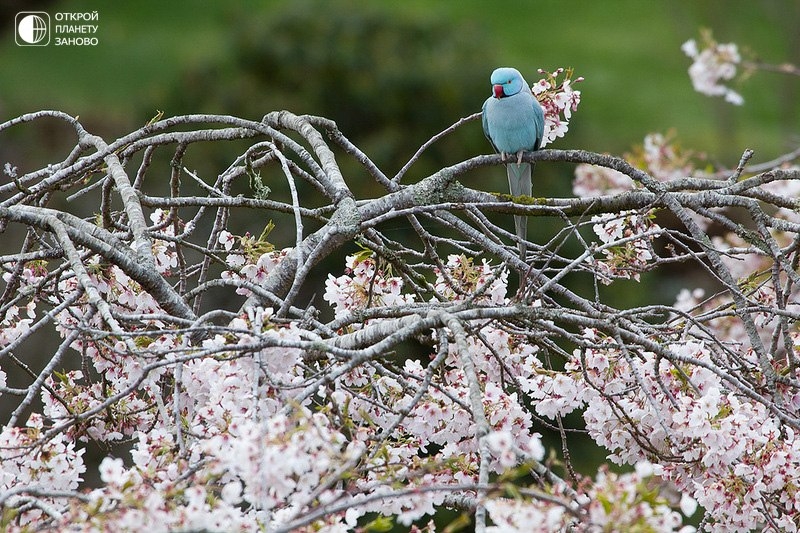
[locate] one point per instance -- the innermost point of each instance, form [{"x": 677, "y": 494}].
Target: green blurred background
[{"x": 392, "y": 74}]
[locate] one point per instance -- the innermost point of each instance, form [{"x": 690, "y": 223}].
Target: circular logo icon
[{"x": 32, "y": 29}]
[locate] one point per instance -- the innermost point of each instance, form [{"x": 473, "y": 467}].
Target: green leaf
[
  {"x": 462, "y": 521},
  {"x": 380, "y": 524},
  {"x": 159, "y": 114}
]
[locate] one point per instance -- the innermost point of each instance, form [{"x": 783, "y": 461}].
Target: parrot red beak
[{"x": 497, "y": 89}]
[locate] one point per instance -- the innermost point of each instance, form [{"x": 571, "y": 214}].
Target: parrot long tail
[{"x": 520, "y": 184}]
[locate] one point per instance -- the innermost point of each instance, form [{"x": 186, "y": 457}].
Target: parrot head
[{"x": 506, "y": 81}]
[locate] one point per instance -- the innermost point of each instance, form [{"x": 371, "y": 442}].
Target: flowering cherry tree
[{"x": 419, "y": 380}]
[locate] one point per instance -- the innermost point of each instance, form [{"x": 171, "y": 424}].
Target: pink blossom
[
  {"x": 558, "y": 100},
  {"x": 712, "y": 65}
]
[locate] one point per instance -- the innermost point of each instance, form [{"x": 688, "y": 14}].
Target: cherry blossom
[
  {"x": 626, "y": 254},
  {"x": 712, "y": 66},
  {"x": 558, "y": 99}
]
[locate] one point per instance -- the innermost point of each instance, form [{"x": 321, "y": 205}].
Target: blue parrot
[{"x": 513, "y": 121}]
